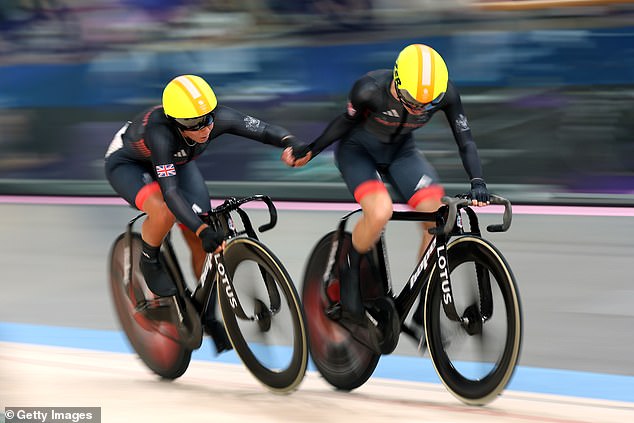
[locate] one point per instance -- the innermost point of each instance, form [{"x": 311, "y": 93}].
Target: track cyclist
[
  {"x": 375, "y": 133},
  {"x": 151, "y": 164}
]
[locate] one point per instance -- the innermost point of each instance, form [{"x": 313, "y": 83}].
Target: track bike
[
  {"x": 472, "y": 316},
  {"x": 259, "y": 303}
]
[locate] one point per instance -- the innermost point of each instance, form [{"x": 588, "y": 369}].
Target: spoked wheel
[
  {"x": 343, "y": 361},
  {"x": 273, "y": 345},
  {"x": 154, "y": 341},
  {"x": 475, "y": 359}
]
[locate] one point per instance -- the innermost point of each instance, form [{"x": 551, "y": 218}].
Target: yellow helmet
[
  {"x": 188, "y": 97},
  {"x": 420, "y": 75}
]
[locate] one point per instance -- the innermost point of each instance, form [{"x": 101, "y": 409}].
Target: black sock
[{"x": 149, "y": 252}]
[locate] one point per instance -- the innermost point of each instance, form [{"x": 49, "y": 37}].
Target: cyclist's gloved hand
[
  {"x": 479, "y": 193},
  {"x": 211, "y": 239},
  {"x": 300, "y": 150},
  {"x": 297, "y": 153}
]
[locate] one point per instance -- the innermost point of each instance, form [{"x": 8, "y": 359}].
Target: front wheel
[
  {"x": 273, "y": 345},
  {"x": 474, "y": 360},
  {"x": 153, "y": 341}
]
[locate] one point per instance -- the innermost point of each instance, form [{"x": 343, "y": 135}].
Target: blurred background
[{"x": 548, "y": 87}]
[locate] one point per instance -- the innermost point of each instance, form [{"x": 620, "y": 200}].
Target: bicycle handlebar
[
  {"x": 233, "y": 203},
  {"x": 453, "y": 203},
  {"x": 506, "y": 218}
]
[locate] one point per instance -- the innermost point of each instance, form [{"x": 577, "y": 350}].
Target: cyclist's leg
[
  {"x": 358, "y": 170},
  {"x": 134, "y": 182},
  {"x": 159, "y": 218},
  {"x": 417, "y": 181},
  {"x": 158, "y": 222},
  {"x": 192, "y": 185}
]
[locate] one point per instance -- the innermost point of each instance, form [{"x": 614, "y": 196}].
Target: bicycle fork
[
  {"x": 472, "y": 318},
  {"x": 225, "y": 284}
]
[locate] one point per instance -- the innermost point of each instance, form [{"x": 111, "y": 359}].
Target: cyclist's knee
[
  {"x": 163, "y": 216},
  {"x": 150, "y": 200},
  {"x": 376, "y": 203},
  {"x": 379, "y": 213}
]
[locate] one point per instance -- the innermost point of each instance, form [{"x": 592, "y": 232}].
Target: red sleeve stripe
[
  {"x": 434, "y": 192},
  {"x": 368, "y": 187}
]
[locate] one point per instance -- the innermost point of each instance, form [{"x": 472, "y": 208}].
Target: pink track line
[{"x": 317, "y": 206}]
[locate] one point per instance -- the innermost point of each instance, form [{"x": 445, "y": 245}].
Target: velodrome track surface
[{"x": 60, "y": 344}]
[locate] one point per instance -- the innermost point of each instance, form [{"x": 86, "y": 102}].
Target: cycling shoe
[{"x": 156, "y": 278}]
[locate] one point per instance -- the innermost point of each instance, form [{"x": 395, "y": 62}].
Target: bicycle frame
[
  {"x": 449, "y": 223},
  {"x": 214, "y": 269}
]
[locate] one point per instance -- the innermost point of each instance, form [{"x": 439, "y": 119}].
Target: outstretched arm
[
  {"x": 237, "y": 123},
  {"x": 361, "y": 98},
  {"x": 466, "y": 146}
]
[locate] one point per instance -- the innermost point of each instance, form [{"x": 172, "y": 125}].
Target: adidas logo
[
  {"x": 181, "y": 153},
  {"x": 392, "y": 113}
]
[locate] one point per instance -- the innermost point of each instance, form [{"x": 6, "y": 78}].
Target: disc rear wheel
[
  {"x": 153, "y": 341},
  {"x": 343, "y": 361}
]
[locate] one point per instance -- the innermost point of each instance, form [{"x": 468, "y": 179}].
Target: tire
[
  {"x": 275, "y": 347},
  {"x": 154, "y": 342},
  {"x": 342, "y": 361},
  {"x": 474, "y": 367}
]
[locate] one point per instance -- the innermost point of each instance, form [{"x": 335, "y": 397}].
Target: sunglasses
[
  {"x": 415, "y": 106},
  {"x": 195, "y": 124}
]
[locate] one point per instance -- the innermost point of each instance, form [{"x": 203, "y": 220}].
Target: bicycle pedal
[{"x": 334, "y": 312}]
